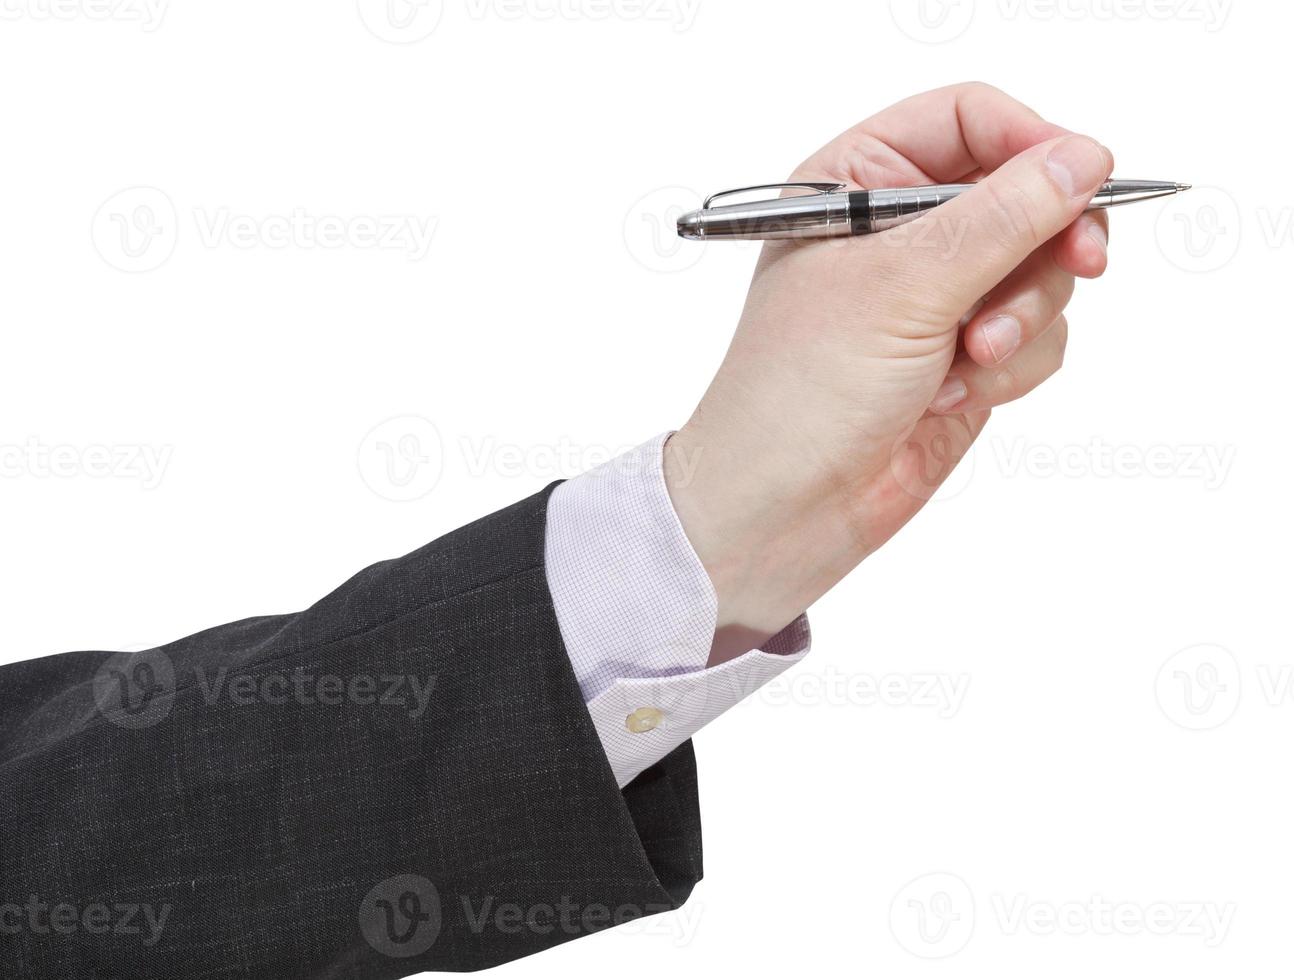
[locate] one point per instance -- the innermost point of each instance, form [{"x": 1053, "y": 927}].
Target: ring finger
[
  {"x": 1021, "y": 308},
  {"x": 972, "y": 387}
]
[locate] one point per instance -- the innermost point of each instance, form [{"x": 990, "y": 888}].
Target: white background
[{"x": 1135, "y": 507}]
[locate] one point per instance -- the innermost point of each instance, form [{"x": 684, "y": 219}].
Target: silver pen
[{"x": 829, "y": 210}]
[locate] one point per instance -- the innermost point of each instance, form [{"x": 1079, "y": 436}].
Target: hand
[{"x": 860, "y": 362}]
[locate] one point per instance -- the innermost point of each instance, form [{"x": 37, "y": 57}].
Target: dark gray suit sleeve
[{"x": 403, "y": 777}]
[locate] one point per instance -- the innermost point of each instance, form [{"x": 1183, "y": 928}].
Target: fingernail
[
  {"x": 1096, "y": 232},
  {"x": 949, "y": 396},
  {"x": 1002, "y": 336},
  {"x": 1077, "y": 165}
]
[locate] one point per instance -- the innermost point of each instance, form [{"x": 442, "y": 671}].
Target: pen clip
[{"x": 820, "y": 188}]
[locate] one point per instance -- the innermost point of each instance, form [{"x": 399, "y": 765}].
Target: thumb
[{"x": 1007, "y": 215}]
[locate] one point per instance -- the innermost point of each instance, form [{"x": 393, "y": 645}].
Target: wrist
[{"x": 772, "y": 535}]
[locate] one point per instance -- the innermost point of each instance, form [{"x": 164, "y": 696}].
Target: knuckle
[
  {"x": 1055, "y": 293},
  {"x": 1022, "y": 376},
  {"x": 1061, "y": 330},
  {"x": 976, "y": 86}
]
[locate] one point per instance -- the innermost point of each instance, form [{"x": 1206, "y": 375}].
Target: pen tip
[{"x": 1183, "y": 187}]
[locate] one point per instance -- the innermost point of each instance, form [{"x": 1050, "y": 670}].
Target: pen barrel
[
  {"x": 828, "y": 213},
  {"x": 894, "y": 206},
  {"x": 800, "y": 216},
  {"x": 897, "y": 205}
]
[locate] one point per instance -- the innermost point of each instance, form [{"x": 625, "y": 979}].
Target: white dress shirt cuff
[{"x": 637, "y": 613}]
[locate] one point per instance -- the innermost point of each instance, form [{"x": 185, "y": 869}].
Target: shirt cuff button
[{"x": 644, "y": 720}]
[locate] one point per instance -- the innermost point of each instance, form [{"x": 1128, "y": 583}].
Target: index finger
[{"x": 942, "y": 136}]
